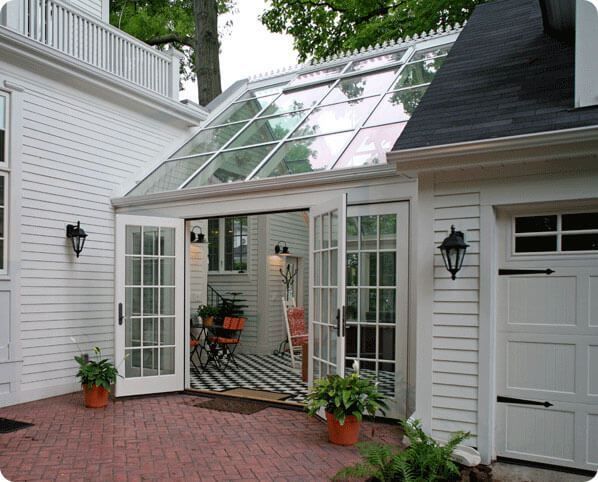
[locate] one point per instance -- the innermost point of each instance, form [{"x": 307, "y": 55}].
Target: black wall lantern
[
  {"x": 453, "y": 251},
  {"x": 281, "y": 250},
  {"x": 77, "y": 236},
  {"x": 197, "y": 237}
]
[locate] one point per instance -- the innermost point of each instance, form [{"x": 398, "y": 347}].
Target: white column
[
  {"x": 175, "y": 63},
  {"x": 11, "y": 15}
]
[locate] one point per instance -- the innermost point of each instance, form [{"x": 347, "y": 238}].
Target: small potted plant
[
  {"x": 96, "y": 377},
  {"x": 207, "y": 314},
  {"x": 345, "y": 400}
]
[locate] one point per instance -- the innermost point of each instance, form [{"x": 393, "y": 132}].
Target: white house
[{"x": 361, "y": 164}]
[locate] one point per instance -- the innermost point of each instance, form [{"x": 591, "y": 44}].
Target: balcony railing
[{"x": 89, "y": 40}]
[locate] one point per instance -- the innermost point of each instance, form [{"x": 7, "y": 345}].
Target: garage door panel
[
  {"x": 592, "y": 363},
  {"x": 593, "y": 304},
  {"x": 592, "y": 431},
  {"x": 542, "y": 300}
]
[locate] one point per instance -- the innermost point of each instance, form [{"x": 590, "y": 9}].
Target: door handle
[
  {"x": 121, "y": 317},
  {"x": 338, "y": 322}
]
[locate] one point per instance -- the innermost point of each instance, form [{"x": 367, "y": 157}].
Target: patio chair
[
  {"x": 294, "y": 317},
  {"x": 224, "y": 341}
]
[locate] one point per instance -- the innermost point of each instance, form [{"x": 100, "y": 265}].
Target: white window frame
[
  {"x": 558, "y": 233},
  {"x": 221, "y": 247},
  {"x": 4, "y": 174}
]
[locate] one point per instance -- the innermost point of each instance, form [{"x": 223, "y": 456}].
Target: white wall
[{"x": 77, "y": 148}]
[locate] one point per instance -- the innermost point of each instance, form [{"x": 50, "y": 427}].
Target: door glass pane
[
  {"x": 325, "y": 269},
  {"x": 133, "y": 271},
  {"x": 133, "y": 332},
  {"x": 132, "y": 302},
  {"x": 166, "y": 241},
  {"x": 318, "y": 233},
  {"x": 150, "y": 331},
  {"x": 388, "y": 305},
  {"x": 386, "y": 343},
  {"x": 367, "y": 304},
  {"x": 167, "y": 361},
  {"x": 167, "y": 272},
  {"x": 333, "y": 267},
  {"x": 368, "y": 273},
  {"x": 150, "y": 301},
  {"x": 167, "y": 301},
  {"x": 325, "y": 231},
  {"x": 325, "y": 347},
  {"x": 333, "y": 229},
  {"x": 150, "y": 271},
  {"x": 166, "y": 331},
  {"x": 150, "y": 241},
  {"x": 351, "y": 304},
  {"x": 388, "y": 231},
  {"x": 351, "y": 341},
  {"x": 317, "y": 337},
  {"x": 388, "y": 269},
  {"x": 369, "y": 232},
  {"x": 324, "y": 306},
  {"x": 386, "y": 378},
  {"x": 132, "y": 363},
  {"x": 150, "y": 362},
  {"x": 352, "y": 267},
  {"x": 133, "y": 240},
  {"x": 367, "y": 342},
  {"x": 352, "y": 233}
]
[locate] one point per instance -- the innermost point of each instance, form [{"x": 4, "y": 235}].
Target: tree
[
  {"x": 325, "y": 27},
  {"x": 188, "y": 25}
]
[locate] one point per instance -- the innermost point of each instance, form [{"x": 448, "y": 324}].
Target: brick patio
[{"x": 167, "y": 438}]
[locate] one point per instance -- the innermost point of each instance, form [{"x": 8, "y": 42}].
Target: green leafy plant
[
  {"x": 101, "y": 372},
  {"x": 425, "y": 460},
  {"x": 205, "y": 311},
  {"x": 344, "y": 396}
]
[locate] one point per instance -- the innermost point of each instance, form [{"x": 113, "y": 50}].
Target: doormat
[
  {"x": 234, "y": 405},
  {"x": 259, "y": 394},
  {"x": 7, "y": 425}
]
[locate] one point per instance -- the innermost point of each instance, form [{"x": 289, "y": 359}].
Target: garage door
[{"x": 547, "y": 343}]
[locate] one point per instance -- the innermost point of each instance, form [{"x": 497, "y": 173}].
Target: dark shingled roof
[{"x": 504, "y": 76}]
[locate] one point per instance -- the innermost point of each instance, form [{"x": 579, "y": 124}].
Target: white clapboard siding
[
  {"x": 294, "y": 230},
  {"x": 77, "y": 148},
  {"x": 92, "y": 7},
  {"x": 456, "y": 320},
  {"x": 198, "y": 270}
]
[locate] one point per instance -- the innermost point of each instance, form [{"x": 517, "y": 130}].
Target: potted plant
[
  {"x": 207, "y": 314},
  {"x": 345, "y": 400},
  {"x": 96, "y": 378}
]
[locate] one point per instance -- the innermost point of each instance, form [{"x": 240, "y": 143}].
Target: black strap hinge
[
  {"x": 521, "y": 401},
  {"x": 515, "y": 272}
]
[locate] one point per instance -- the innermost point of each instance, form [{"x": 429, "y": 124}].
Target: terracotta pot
[
  {"x": 346, "y": 434},
  {"x": 95, "y": 397},
  {"x": 209, "y": 321}
]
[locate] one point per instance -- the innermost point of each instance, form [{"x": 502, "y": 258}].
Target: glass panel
[
  {"x": 367, "y": 275},
  {"x": 209, "y": 140},
  {"x": 297, "y": 100},
  {"x": 150, "y": 331},
  {"x": 418, "y": 73},
  {"x": 388, "y": 231},
  {"x": 317, "y": 337},
  {"x": 352, "y": 233},
  {"x": 150, "y": 362},
  {"x": 367, "y": 369},
  {"x": 369, "y": 232},
  {"x": 325, "y": 333},
  {"x": 571, "y": 222},
  {"x": 334, "y": 229},
  {"x": 167, "y": 301},
  {"x": 324, "y": 306},
  {"x": 133, "y": 240},
  {"x": 370, "y": 146},
  {"x": 268, "y": 129},
  {"x": 535, "y": 224},
  {"x": 167, "y": 272},
  {"x": 150, "y": 241},
  {"x": 150, "y": 272},
  {"x": 132, "y": 302},
  {"x": 133, "y": 271},
  {"x": 132, "y": 363},
  {"x": 351, "y": 305},
  {"x": 242, "y": 110},
  {"x": 387, "y": 269},
  {"x": 352, "y": 267},
  {"x": 166, "y": 241},
  {"x": 2, "y": 146},
  {"x": 579, "y": 242},
  {"x": 325, "y": 230},
  {"x": 336, "y": 117},
  {"x": 351, "y": 341},
  {"x": 367, "y": 342},
  {"x": 378, "y": 61},
  {"x": 388, "y": 305},
  {"x": 167, "y": 361},
  {"x": 386, "y": 379},
  {"x": 231, "y": 166},
  {"x": 386, "y": 343},
  {"x": 133, "y": 332},
  {"x": 305, "y": 155},
  {"x": 318, "y": 233},
  {"x": 150, "y": 301},
  {"x": 535, "y": 244},
  {"x": 367, "y": 305},
  {"x": 2, "y": 113},
  {"x": 431, "y": 53},
  {"x": 166, "y": 331},
  {"x": 253, "y": 93},
  {"x": 169, "y": 176},
  {"x": 325, "y": 269},
  {"x": 397, "y": 106},
  {"x": 334, "y": 267},
  {"x": 360, "y": 86},
  {"x": 316, "y": 75}
]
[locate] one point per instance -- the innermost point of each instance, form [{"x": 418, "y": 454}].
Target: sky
[{"x": 248, "y": 48}]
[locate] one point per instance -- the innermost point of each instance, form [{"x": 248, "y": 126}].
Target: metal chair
[{"x": 224, "y": 340}]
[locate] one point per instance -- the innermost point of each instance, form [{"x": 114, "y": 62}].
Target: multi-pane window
[
  {"x": 3, "y": 183},
  {"x": 554, "y": 233},
  {"x": 227, "y": 250},
  {"x": 345, "y": 115}
]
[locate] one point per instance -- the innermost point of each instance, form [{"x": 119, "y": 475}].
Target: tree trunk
[{"x": 207, "y": 50}]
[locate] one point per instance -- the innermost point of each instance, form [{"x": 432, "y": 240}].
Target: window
[
  {"x": 3, "y": 183},
  {"x": 227, "y": 249},
  {"x": 554, "y": 233}
]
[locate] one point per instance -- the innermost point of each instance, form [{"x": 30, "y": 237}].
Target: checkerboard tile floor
[{"x": 272, "y": 373}]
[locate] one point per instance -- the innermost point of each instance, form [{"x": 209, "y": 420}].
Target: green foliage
[
  {"x": 344, "y": 396},
  {"x": 205, "y": 311},
  {"x": 425, "y": 460},
  {"x": 322, "y": 28},
  {"x": 101, "y": 373}
]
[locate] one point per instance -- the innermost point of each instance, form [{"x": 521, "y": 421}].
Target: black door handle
[
  {"x": 338, "y": 322},
  {"x": 121, "y": 317}
]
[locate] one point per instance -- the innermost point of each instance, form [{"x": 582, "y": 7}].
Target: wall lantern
[
  {"x": 77, "y": 236},
  {"x": 453, "y": 251},
  {"x": 197, "y": 237},
  {"x": 281, "y": 250}
]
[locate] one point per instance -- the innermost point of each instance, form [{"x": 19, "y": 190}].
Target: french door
[
  {"x": 327, "y": 293},
  {"x": 149, "y": 330}
]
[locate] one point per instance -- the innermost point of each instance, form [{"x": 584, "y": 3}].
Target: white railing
[{"x": 96, "y": 43}]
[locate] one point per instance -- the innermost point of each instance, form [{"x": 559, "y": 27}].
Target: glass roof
[{"x": 343, "y": 116}]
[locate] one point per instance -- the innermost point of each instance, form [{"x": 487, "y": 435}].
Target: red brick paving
[{"x": 164, "y": 438}]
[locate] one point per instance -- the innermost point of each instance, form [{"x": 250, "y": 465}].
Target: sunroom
[{"x": 287, "y": 178}]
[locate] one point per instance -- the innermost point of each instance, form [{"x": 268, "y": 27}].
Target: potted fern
[
  {"x": 96, "y": 377},
  {"x": 207, "y": 314},
  {"x": 345, "y": 401}
]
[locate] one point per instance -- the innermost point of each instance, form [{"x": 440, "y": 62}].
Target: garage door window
[{"x": 553, "y": 233}]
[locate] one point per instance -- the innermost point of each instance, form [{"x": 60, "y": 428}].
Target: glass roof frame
[{"x": 280, "y": 89}]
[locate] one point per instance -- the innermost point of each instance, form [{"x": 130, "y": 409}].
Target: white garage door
[{"x": 547, "y": 343}]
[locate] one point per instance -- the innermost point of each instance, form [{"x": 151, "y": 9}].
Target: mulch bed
[{"x": 244, "y": 407}]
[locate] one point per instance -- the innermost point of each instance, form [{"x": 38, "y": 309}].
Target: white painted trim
[{"x": 542, "y": 146}]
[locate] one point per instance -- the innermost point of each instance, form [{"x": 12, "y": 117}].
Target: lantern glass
[{"x": 453, "y": 250}]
